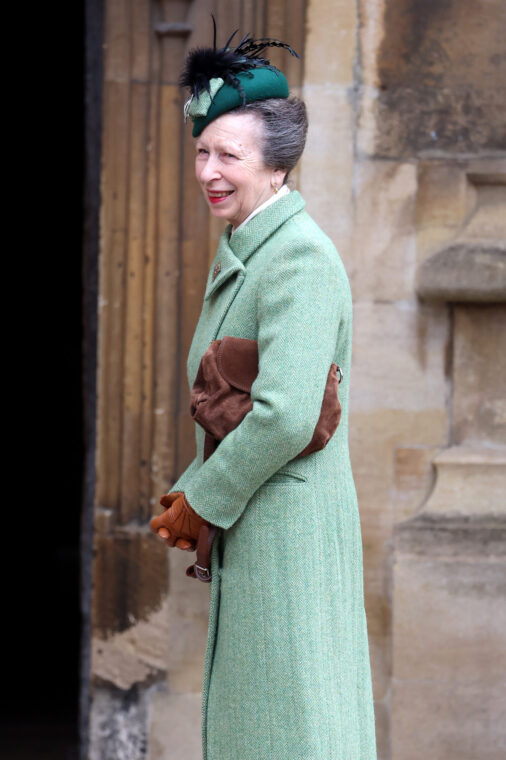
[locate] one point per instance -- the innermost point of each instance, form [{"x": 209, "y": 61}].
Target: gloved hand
[{"x": 179, "y": 525}]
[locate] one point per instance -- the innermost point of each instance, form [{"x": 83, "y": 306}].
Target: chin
[
  {"x": 220, "y": 213},
  {"x": 217, "y": 212}
]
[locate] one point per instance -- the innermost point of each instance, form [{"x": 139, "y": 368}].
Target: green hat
[
  {"x": 260, "y": 84},
  {"x": 223, "y": 79}
]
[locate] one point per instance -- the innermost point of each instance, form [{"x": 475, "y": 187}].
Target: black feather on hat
[{"x": 206, "y": 63}]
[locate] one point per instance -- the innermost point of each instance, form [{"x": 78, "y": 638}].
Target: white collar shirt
[{"x": 284, "y": 190}]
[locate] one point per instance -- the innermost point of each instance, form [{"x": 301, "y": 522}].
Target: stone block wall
[{"x": 405, "y": 164}]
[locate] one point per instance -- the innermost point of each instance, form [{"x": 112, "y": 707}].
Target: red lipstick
[{"x": 215, "y": 197}]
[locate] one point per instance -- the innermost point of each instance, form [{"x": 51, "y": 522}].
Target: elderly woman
[{"x": 287, "y": 672}]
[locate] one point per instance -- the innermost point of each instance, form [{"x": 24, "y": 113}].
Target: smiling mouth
[{"x": 218, "y": 196}]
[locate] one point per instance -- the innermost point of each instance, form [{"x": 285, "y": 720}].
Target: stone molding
[
  {"x": 464, "y": 272},
  {"x": 470, "y": 481}
]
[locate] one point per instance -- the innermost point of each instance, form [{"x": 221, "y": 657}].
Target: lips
[{"x": 218, "y": 196}]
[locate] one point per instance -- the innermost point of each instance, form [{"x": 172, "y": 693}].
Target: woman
[{"x": 287, "y": 671}]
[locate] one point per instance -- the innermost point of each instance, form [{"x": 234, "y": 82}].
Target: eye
[
  {"x": 229, "y": 155},
  {"x": 201, "y": 151}
]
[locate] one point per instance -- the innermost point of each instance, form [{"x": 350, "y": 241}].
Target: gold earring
[{"x": 275, "y": 188}]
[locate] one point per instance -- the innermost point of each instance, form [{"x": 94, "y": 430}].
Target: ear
[{"x": 278, "y": 177}]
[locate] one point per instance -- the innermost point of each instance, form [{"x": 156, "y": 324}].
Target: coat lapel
[
  {"x": 234, "y": 251},
  {"x": 225, "y": 264},
  {"x": 249, "y": 238}
]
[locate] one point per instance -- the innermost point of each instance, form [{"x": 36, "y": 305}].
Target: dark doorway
[{"x": 39, "y": 712}]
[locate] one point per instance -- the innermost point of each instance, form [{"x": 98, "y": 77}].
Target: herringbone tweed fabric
[{"x": 287, "y": 673}]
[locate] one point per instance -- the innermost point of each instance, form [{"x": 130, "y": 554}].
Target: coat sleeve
[{"x": 299, "y": 305}]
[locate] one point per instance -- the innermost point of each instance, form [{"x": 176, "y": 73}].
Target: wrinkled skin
[{"x": 229, "y": 158}]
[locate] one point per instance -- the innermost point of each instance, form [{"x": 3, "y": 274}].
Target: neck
[{"x": 274, "y": 197}]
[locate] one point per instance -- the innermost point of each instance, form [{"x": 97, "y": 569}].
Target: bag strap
[{"x": 201, "y": 569}]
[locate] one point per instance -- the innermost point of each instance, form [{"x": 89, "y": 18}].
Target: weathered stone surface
[
  {"x": 479, "y": 371},
  {"x": 188, "y": 614},
  {"x": 487, "y": 220},
  {"x": 326, "y": 170},
  {"x": 331, "y": 26},
  {"x": 464, "y": 272},
  {"x": 326, "y": 166},
  {"x": 137, "y": 655},
  {"x": 398, "y": 399},
  {"x": 469, "y": 481},
  {"x": 175, "y": 727},
  {"x": 118, "y": 723},
  {"x": 398, "y": 358},
  {"x": 430, "y": 96},
  {"x": 432, "y": 534},
  {"x": 374, "y": 440},
  {"x": 449, "y": 640},
  {"x": 460, "y": 202},
  {"x": 382, "y": 724},
  {"x": 414, "y": 479},
  {"x": 384, "y": 262},
  {"x": 442, "y": 204},
  {"x": 130, "y": 578},
  {"x": 450, "y": 624},
  {"x": 445, "y": 721}
]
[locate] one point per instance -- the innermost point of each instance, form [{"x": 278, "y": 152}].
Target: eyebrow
[{"x": 222, "y": 146}]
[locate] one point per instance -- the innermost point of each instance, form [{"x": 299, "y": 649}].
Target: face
[{"x": 230, "y": 168}]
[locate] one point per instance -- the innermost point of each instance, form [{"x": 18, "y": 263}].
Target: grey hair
[{"x": 284, "y": 129}]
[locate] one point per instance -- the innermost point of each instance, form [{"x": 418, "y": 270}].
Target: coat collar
[{"x": 234, "y": 251}]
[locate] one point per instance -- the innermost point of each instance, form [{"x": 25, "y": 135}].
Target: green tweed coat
[{"x": 287, "y": 673}]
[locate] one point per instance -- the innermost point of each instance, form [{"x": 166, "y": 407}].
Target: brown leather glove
[{"x": 179, "y": 525}]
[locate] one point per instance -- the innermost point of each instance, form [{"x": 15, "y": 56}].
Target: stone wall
[{"x": 405, "y": 169}]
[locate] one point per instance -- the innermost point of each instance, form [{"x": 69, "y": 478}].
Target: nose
[{"x": 210, "y": 170}]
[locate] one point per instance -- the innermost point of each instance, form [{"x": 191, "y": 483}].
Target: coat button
[{"x": 216, "y": 269}]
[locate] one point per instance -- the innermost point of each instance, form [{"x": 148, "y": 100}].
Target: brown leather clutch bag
[
  {"x": 220, "y": 399},
  {"x": 220, "y": 396}
]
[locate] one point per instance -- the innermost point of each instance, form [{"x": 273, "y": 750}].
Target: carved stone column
[{"x": 449, "y": 632}]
